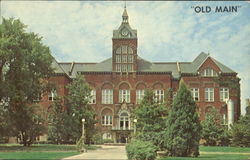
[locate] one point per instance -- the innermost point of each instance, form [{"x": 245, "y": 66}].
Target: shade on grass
[
  {"x": 233, "y": 154},
  {"x": 211, "y": 157},
  {"x": 36, "y": 155},
  {"x": 41, "y": 147},
  {"x": 224, "y": 149},
  {"x": 38, "y": 151},
  {"x": 37, "y": 147}
]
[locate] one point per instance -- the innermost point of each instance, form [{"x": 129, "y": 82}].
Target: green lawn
[
  {"x": 224, "y": 149},
  {"x": 38, "y": 151},
  {"x": 231, "y": 153},
  {"x": 36, "y": 155}
]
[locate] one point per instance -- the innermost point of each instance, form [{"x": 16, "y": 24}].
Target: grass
[
  {"x": 224, "y": 149},
  {"x": 218, "y": 153},
  {"x": 212, "y": 157},
  {"x": 36, "y": 155},
  {"x": 38, "y": 151}
]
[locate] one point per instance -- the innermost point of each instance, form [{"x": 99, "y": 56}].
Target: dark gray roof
[
  {"x": 192, "y": 67},
  {"x": 222, "y": 67},
  {"x": 72, "y": 68},
  {"x": 57, "y": 68},
  {"x": 146, "y": 66},
  {"x": 176, "y": 68}
]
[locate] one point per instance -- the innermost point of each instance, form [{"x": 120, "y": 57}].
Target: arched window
[
  {"x": 158, "y": 93},
  {"x": 107, "y": 118},
  {"x": 107, "y": 94},
  {"x": 124, "y": 121},
  {"x": 124, "y": 93},
  {"x": 209, "y": 72},
  {"x": 124, "y": 59}
]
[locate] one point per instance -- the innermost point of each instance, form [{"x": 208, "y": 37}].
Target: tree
[
  {"x": 241, "y": 130},
  {"x": 58, "y": 129},
  {"x": 183, "y": 125},
  {"x": 151, "y": 118},
  {"x": 78, "y": 107},
  {"x": 5, "y": 127},
  {"x": 211, "y": 128},
  {"x": 32, "y": 124},
  {"x": 25, "y": 64}
]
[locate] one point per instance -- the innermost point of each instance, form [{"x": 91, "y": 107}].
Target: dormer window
[{"x": 209, "y": 72}]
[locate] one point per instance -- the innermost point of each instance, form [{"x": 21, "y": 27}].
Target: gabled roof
[
  {"x": 71, "y": 69},
  {"x": 192, "y": 67},
  {"x": 57, "y": 68}
]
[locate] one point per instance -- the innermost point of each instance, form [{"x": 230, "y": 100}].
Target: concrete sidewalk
[{"x": 104, "y": 153}]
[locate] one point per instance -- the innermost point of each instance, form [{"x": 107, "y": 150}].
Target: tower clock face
[{"x": 124, "y": 32}]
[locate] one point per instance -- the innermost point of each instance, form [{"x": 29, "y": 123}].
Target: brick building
[{"x": 118, "y": 83}]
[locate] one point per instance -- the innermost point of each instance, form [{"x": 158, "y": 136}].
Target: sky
[{"x": 168, "y": 31}]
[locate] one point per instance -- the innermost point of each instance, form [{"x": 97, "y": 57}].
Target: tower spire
[{"x": 125, "y": 14}]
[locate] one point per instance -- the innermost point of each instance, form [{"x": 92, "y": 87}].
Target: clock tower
[{"x": 124, "y": 47}]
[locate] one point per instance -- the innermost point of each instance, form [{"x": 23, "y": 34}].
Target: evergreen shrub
[{"x": 141, "y": 150}]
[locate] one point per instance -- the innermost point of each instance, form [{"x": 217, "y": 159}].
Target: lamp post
[
  {"x": 135, "y": 121},
  {"x": 83, "y": 136}
]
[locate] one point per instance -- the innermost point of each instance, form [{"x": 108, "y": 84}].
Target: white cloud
[{"x": 167, "y": 31}]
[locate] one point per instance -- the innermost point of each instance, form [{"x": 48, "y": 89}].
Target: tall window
[
  {"x": 118, "y": 67},
  {"x": 195, "y": 93},
  {"x": 139, "y": 96},
  {"x": 118, "y": 59},
  {"x": 93, "y": 97},
  {"x": 124, "y": 121},
  {"x": 130, "y": 66},
  {"x": 124, "y": 95},
  {"x": 209, "y": 94},
  {"x": 124, "y": 68},
  {"x": 159, "y": 96},
  {"x": 130, "y": 58},
  {"x": 52, "y": 95},
  {"x": 107, "y": 96},
  {"x": 209, "y": 72},
  {"x": 224, "y": 94},
  {"x": 107, "y": 120},
  {"x": 124, "y": 59}
]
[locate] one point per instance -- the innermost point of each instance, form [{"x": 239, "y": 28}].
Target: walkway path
[{"x": 104, "y": 153}]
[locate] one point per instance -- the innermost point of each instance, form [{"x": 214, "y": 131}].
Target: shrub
[
  {"x": 241, "y": 131},
  {"x": 108, "y": 141},
  {"x": 97, "y": 139},
  {"x": 140, "y": 150},
  {"x": 225, "y": 137},
  {"x": 212, "y": 131}
]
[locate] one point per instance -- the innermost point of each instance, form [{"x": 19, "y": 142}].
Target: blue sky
[{"x": 167, "y": 31}]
